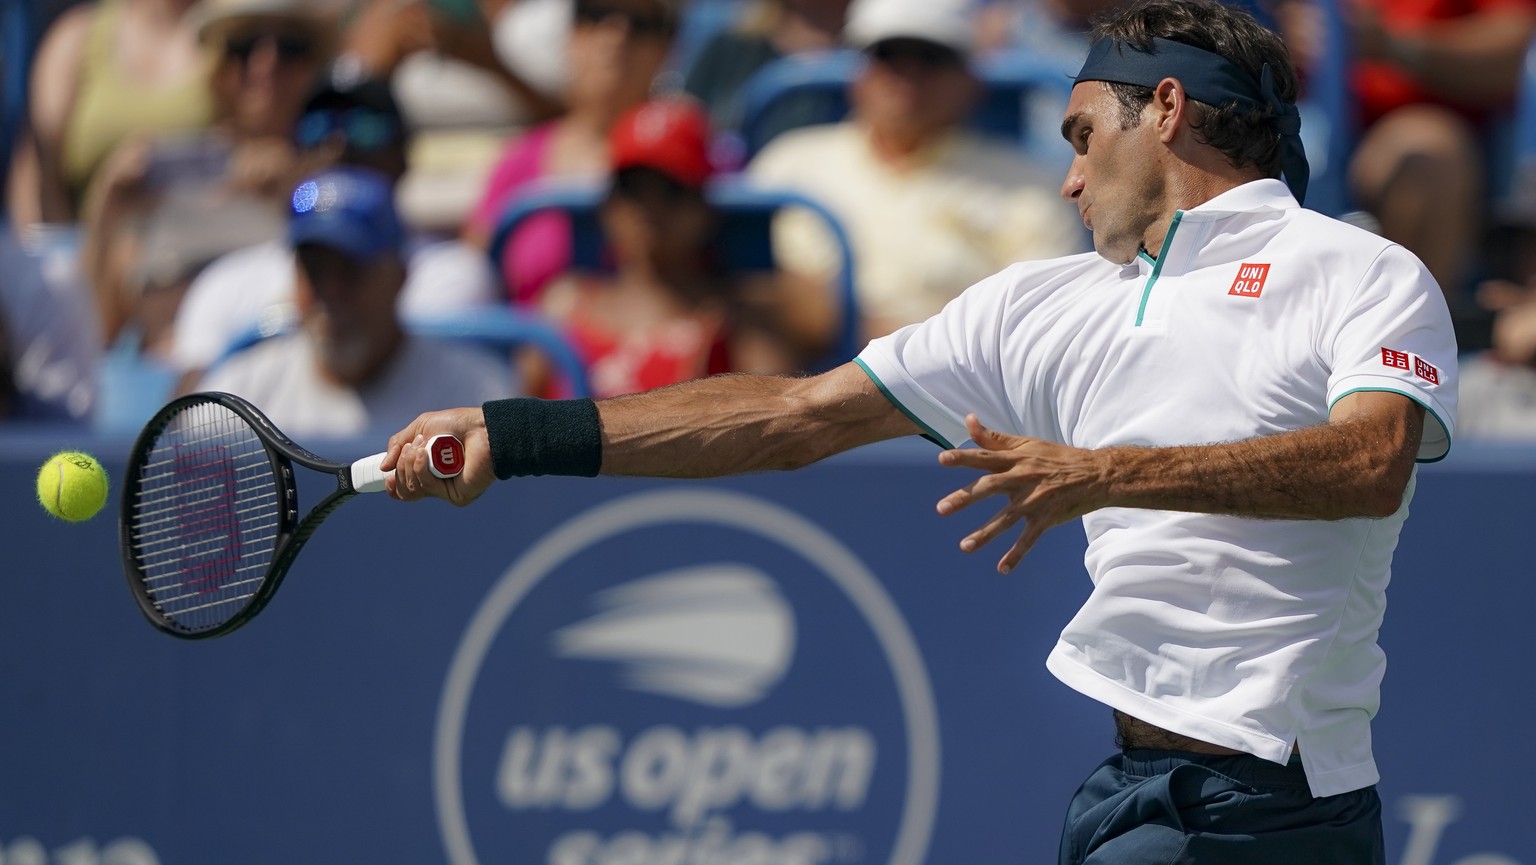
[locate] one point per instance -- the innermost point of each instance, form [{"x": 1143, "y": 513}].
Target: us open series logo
[{"x": 687, "y": 678}]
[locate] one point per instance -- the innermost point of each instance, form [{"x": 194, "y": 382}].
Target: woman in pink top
[{"x": 616, "y": 49}]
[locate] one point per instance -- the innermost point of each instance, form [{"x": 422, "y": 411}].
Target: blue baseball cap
[{"x": 348, "y": 209}]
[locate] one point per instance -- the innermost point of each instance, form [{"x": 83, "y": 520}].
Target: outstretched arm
[
  {"x": 724, "y": 425},
  {"x": 1356, "y": 465}
]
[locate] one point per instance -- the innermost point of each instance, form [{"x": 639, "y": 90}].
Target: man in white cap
[{"x": 929, "y": 205}]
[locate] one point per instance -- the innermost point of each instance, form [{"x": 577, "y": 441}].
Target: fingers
[
  {"x": 414, "y": 480},
  {"x": 1005, "y": 519},
  {"x": 1001, "y": 521},
  {"x": 1021, "y": 547},
  {"x": 1012, "y": 466},
  {"x": 982, "y": 487},
  {"x": 410, "y": 465},
  {"x": 407, "y": 455},
  {"x": 400, "y": 439},
  {"x": 985, "y": 437}
]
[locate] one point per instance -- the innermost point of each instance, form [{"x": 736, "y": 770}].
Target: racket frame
[{"x": 291, "y": 534}]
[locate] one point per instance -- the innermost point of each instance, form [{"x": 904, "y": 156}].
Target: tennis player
[{"x": 1232, "y": 393}]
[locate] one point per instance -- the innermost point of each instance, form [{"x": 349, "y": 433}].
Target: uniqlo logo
[
  {"x": 1426, "y": 370},
  {"x": 1394, "y": 358},
  {"x": 1250, "y": 280}
]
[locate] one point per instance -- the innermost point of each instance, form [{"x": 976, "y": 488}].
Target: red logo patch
[
  {"x": 1250, "y": 280},
  {"x": 1421, "y": 367}
]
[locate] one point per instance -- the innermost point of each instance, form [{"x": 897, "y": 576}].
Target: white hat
[
  {"x": 946, "y": 22},
  {"x": 213, "y": 16}
]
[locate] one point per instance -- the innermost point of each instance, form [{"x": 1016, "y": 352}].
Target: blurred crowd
[{"x": 330, "y": 207}]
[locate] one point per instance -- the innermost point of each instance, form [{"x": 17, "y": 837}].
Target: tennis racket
[{"x": 210, "y": 515}]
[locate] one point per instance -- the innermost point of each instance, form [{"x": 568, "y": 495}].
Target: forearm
[
  {"x": 1338, "y": 470},
  {"x": 736, "y": 424}
]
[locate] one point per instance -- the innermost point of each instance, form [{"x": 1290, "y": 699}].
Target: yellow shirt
[
  {"x": 963, "y": 209},
  {"x": 109, "y": 109}
]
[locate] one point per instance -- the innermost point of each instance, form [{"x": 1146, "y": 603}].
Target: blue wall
[{"x": 436, "y": 685}]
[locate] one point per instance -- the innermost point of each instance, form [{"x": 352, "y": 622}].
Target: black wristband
[{"x": 544, "y": 437}]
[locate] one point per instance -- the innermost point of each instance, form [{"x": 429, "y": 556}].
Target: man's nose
[{"x": 1072, "y": 186}]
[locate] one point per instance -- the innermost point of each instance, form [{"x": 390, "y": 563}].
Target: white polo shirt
[{"x": 1254, "y": 319}]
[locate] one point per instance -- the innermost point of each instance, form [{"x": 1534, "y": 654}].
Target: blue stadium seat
[
  {"x": 1524, "y": 156},
  {"x": 15, "y": 63},
  {"x": 746, "y": 241},
  {"x": 504, "y": 329},
  {"x": 1023, "y": 99},
  {"x": 130, "y": 388},
  {"x": 701, "y": 21},
  {"x": 1328, "y": 127}
]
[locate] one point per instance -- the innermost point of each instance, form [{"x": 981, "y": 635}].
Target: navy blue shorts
[{"x": 1146, "y": 807}]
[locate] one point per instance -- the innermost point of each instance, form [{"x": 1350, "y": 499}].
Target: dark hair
[{"x": 1246, "y": 135}]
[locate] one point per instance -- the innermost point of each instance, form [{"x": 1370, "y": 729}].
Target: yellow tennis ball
[{"x": 72, "y": 486}]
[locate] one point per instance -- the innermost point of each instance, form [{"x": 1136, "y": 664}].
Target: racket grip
[{"x": 445, "y": 458}]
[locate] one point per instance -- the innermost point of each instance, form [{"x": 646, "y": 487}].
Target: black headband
[{"x": 1208, "y": 78}]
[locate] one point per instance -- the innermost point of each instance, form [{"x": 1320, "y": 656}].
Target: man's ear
[{"x": 1169, "y": 103}]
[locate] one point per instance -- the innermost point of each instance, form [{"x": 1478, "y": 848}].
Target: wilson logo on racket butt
[{"x": 445, "y": 456}]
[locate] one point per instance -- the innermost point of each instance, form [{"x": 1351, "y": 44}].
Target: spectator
[
  {"x": 104, "y": 72},
  {"x": 356, "y": 124},
  {"x": 387, "y": 35},
  {"x": 161, "y": 208},
  {"x": 1051, "y": 28},
  {"x": 930, "y": 207},
  {"x": 669, "y": 313},
  {"x": 616, "y": 49},
  {"x": 351, "y": 367},
  {"x": 1427, "y": 78},
  {"x": 770, "y": 30},
  {"x": 49, "y": 351},
  {"x": 1498, "y": 385}
]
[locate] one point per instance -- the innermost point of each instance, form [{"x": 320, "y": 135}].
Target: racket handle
[{"x": 445, "y": 458}]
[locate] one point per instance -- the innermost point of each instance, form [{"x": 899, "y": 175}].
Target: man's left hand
[{"x": 1046, "y": 485}]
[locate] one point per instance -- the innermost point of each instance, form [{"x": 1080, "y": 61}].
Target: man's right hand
[{"x": 407, "y": 457}]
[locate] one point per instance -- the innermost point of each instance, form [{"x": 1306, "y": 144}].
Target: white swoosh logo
[{"x": 719, "y": 634}]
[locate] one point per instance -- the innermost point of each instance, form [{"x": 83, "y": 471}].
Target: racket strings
[{"x": 205, "y": 522}]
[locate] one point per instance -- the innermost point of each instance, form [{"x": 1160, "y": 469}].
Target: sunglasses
[
  {"x": 641, "y": 25},
  {"x": 917, "y": 52},
  {"x": 290, "y": 47},
  {"x": 362, "y": 128}
]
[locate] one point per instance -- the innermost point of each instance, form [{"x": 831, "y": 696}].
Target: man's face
[
  {"x": 348, "y": 309},
  {"x": 650, "y": 216},
  {"x": 1115, "y": 179},
  {"x": 265, "y": 72},
  {"x": 914, "y": 89},
  {"x": 616, "y": 49}
]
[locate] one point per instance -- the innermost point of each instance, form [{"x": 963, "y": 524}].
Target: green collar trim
[{"x": 1157, "y": 265}]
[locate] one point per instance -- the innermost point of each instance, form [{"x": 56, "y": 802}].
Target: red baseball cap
[{"x": 668, "y": 135}]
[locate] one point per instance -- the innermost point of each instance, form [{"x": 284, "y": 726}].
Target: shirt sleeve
[
  {"x": 941, "y": 369},
  {"x": 1395, "y": 335}
]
